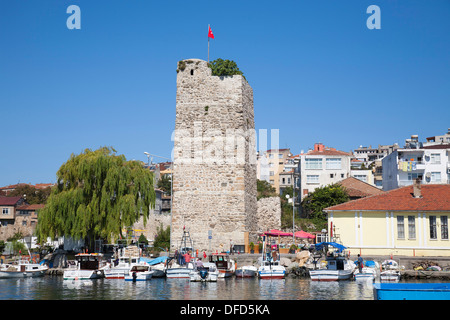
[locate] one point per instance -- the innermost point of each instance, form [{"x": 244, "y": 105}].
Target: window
[
  {"x": 5, "y": 210},
  {"x": 436, "y": 177},
  {"x": 192, "y": 72},
  {"x": 284, "y": 181},
  {"x": 331, "y": 175},
  {"x": 361, "y": 177},
  {"x": 271, "y": 173},
  {"x": 411, "y": 227},
  {"x": 400, "y": 227},
  {"x": 433, "y": 231},
  {"x": 333, "y": 163},
  {"x": 271, "y": 156},
  {"x": 414, "y": 176},
  {"x": 435, "y": 158},
  {"x": 312, "y": 178},
  {"x": 313, "y": 163},
  {"x": 289, "y": 180},
  {"x": 444, "y": 227},
  {"x": 280, "y": 156}
]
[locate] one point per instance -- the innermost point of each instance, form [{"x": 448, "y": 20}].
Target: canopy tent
[
  {"x": 276, "y": 233},
  {"x": 304, "y": 235},
  {"x": 338, "y": 246}
]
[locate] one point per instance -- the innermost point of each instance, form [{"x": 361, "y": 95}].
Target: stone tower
[{"x": 214, "y": 178}]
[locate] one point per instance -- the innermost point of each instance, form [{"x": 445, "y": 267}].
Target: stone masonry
[{"x": 214, "y": 178}]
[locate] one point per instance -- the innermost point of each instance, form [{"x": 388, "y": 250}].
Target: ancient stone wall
[
  {"x": 269, "y": 214},
  {"x": 214, "y": 179}
]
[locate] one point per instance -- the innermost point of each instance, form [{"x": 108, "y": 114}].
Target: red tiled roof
[
  {"x": 31, "y": 207},
  {"x": 358, "y": 188},
  {"x": 328, "y": 152},
  {"x": 9, "y": 201},
  {"x": 435, "y": 197}
]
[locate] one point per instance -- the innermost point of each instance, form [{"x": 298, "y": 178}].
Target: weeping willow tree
[{"x": 98, "y": 193}]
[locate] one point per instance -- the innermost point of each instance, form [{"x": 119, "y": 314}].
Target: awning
[
  {"x": 338, "y": 246},
  {"x": 304, "y": 235},
  {"x": 276, "y": 233}
]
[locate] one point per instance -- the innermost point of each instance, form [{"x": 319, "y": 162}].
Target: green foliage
[
  {"x": 2, "y": 246},
  {"x": 143, "y": 239},
  {"x": 162, "y": 238},
  {"x": 32, "y": 195},
  {"x": 98, "y": 193},
  {"x": 323, "y": 197},
  {"x": 264, "y": 189},
  {"x": 222, "y": 67},
  {"x": 165, "y": 184}
]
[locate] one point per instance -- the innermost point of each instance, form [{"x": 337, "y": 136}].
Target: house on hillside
[{"x": 410, "y": 221}]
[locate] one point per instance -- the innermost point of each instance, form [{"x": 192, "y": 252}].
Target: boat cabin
[
  {"x": 89, "y": 261},
  {"x": 220, "y": 260}
]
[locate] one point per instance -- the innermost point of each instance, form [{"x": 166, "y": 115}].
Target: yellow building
[{"x": 410, "y": 221}]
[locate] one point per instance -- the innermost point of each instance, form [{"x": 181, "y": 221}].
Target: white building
[
  {"x": 322, "y": 166},
  {"x": 429, "y": 163}
]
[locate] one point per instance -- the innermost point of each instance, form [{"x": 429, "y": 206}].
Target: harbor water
[{"x": 55, "y": 288}]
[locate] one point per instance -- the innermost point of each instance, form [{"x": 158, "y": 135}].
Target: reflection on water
[{"x": 55, "y": 288}]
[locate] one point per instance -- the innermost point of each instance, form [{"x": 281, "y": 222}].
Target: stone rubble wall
[{"x": 269, "y": 214}]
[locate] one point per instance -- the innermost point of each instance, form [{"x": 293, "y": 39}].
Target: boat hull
[
  {"x": 19, "y": 274},
  {"x": 330, "y": 275},
  {"x": 82, "y": 274},
  {"x": 267, "y": 273},
  {"x": 140, "y": 276},
  {"x": 116, "y": 274},
  {"x": 390, "y": 276},
  {"x": 174, "y": 273},
  {"x": 411, "y": 291},
  {"x": 245, "y": 273}
]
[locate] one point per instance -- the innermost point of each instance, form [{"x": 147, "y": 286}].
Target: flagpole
[{"x": 208, "y": 43}]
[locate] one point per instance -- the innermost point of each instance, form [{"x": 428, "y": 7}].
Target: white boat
[
  {"x": 338, "y": 267},
  {"x": 139, "y": 272},
  {"x": 271, "y": 270},
  {"x": 177, "y": 267},
  {"x": 390, "y": 271},
  {"x": 158, "y": 265},
  {"x": 208, "y": 272},
  {"x": 89, "y": 266},
  {"x": 246, "y": 272},
  {"x": 270, "y": 267},
  {"x": 370, "y": 271},
  {"x": 22, "y": 269},
  {"x": 224, "y": 264}
]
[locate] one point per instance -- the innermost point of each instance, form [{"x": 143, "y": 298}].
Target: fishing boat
[
  {"x": 88, "y": 266},
  {"x": 337, "y": 267},
  {"x": 370, "y": 271},
  {"x": 121, "y": 267},
  {"x": 246, "y": 272},
  {"x": 177, "y": 266},
  {"x": 411, "y": 291},
  {"x": 157, "y": 265},
  {"x": 224, "y": 264},
  {"x": 390, "y": 271},
  {"x": 139, "y": 272},
  {"x": 208, "y": 272},
  {"x": 270, "y": 267},
  {"x": 22, "y": 269}
]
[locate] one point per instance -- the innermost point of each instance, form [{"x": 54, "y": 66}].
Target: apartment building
[
  {"x": 322, "y": 166},
  {"x": 430, "y": 163},
  {"x": 270, "y": 164}
]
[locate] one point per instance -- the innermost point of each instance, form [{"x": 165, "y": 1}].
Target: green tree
[
  {"x": 162, "y": 238},
  {"x": 323, "y": 197},
  {"x": 32, "y": 195},
  {"x": 98, "y": 193},
  {"x": 222, "y": 67},
  {"x": 165, "y": 184},
  {"x": 264, "y": 189}
]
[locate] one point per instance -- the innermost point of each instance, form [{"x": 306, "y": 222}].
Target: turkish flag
[{"x": 210, "y": 33}]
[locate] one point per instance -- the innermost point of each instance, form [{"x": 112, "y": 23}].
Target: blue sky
[{"x": 317, "y": 72}]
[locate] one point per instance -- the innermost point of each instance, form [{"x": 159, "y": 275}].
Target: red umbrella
[{"x": 304, "y": 235}]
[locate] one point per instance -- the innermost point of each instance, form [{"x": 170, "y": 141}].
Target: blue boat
[{"x": 411, "y": 291}]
